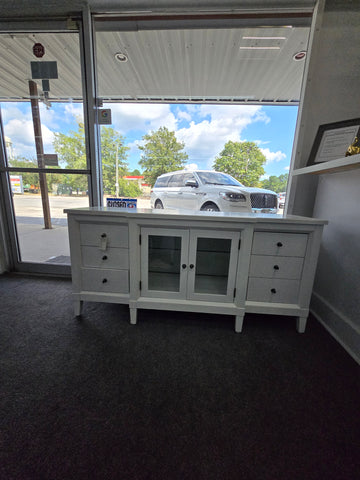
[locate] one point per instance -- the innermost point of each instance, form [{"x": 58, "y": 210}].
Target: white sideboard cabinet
[{"x": 197, "y": 262}]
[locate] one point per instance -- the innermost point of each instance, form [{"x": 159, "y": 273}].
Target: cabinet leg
[
  {"x": 239, "y": 319},
  {"x": 78, "y": 307},
  {"x": 301, "y": 324},
  {"x": 133, "y": 316}
]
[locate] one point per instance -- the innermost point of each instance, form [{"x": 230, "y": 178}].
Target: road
[
  {"x": 28, "y": 207},
  {"x": 38, "y": 244}
]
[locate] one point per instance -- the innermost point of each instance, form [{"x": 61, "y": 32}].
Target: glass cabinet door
[
  {"x": 164, "y": 262},
  {"x": 212, "y": 265}
]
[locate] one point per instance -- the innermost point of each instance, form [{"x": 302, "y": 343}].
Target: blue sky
[{"x": 203, "y": 128}]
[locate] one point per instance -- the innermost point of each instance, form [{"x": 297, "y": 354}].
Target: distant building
[
  {"x": 144, "y": 187},
  {"x": 9, "y": 148}
]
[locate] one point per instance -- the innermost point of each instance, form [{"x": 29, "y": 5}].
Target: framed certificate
[{"x": 333, "y": 139}]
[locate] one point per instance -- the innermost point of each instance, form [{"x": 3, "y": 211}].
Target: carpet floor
[{"x": 178, "y": 396}]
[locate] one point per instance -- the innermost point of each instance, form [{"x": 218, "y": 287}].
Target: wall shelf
[{"x": 333, "y": 166}]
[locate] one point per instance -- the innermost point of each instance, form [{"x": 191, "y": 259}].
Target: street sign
[
  {"x": 51, "y": 159},
  {"x": 38, "y": 50},
  {"x": 43, "y": 70}
]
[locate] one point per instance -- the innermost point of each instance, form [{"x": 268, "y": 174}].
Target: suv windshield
[{"x": 215, "y": 178}]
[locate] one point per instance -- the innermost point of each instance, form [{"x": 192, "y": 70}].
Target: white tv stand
[{"x": 198, "y": 262}]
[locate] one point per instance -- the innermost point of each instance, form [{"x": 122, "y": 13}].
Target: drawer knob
[
  {"x": 191, "y": 265},
  {"x": 279, "y": 244},
  {"x": 105, "y": 258},
  {"x": 104, "y": 280},
  {"x": 103, "y": 235},
  {"x": 183, "y": 265},
  {"x": 273, "y": 290},
  {"x": 276, "y": 267}
]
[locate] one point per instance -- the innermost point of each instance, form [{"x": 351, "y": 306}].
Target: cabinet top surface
[{"x": 147, "y": 213}]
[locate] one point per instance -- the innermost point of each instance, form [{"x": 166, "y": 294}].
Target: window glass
[
  {"x": 162, "y": 182},
  {"x": 188, "y": 176},
  {"x": 176, "y": 181},
  {"x": 42, "y": 118}
]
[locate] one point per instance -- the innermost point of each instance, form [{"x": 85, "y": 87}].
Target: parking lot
[{"x": 38, "y": 244}]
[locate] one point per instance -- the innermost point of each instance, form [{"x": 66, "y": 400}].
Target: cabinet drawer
[
  {"x": 116, "y": 258},
  {"x": 104, "y": 235},
  {"x": 282, "y": 244},
  {"x": 269, "y": 266},
  {"x": 110, "y": 281},
  {"x": 273, "y": 290}
]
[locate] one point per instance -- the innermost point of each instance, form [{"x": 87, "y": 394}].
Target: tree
[
  {"x": 277, "y": 184},
  {"x": 161, "y": 153},
  {"x": 29, "y": 178},
  {"x": 128, "y": 188},
  {"x": 242, "y": 160},
  {"x": 113, "y": 151},
  {"x": 72, "y": 154}
]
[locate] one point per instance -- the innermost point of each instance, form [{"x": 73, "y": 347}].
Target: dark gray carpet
[{"x": 178, "y": 396}]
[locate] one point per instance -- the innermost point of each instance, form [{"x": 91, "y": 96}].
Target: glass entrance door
[{"x": 44, "y": 164}]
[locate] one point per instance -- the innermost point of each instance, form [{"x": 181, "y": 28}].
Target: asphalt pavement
[{"x": 38, "y": 244}]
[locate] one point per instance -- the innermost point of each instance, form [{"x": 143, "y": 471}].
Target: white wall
[{"x": 333, "y": 94}]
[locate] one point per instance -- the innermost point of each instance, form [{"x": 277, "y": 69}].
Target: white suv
[{"x": 210, "y": 190}]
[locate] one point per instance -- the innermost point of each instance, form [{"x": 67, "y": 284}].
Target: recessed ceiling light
[
  {"x": 299, "y": 56},
  {"x": 121, "y": 57},
  {"x": 264, "y": 38},
  {"x": 259, "y": 48}
]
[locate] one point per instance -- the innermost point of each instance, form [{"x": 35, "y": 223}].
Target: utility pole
[
  {"x": 117, "y": 171},
  {"x": 40, "y": 152}
]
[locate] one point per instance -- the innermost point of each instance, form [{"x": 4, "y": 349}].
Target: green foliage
[
  {"x": 72, "y": 155},
  {"x": 135, "y": 173},
  {"x": 28, "y": 178},
  {"x": 277, "y": 184},
  {"x": 71, "y": 152},
  {"x": 112, "y": 150},
  {"x": 128, "y": 188},
  {"x": 161, "y": 153},
  {"x": 242, "y": 160}
]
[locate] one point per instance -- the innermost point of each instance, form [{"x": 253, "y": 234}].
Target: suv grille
[{"x": 263, "y": 200}]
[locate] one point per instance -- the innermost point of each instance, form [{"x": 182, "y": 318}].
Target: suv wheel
[
  {"x": 210, "y": 207},
  {"x": 159, "y": 205}
]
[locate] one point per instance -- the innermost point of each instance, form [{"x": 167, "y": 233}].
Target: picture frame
[{"x": 332, "y": 140}]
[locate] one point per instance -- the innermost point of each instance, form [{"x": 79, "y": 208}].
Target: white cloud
[
  {"x": 183, "y": 115},
  {"x": 74, "y": 110},
  {"x": 273, "y": 156},
  {"x": 206, "y": 139},
  {"x": 21, "y": 133},
  {"x": 191, "y": 166},
  {"x": 130, "y": 116}
]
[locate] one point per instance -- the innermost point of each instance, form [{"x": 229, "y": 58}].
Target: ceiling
[
  {"x": 208, "y": 65},
  {"x": 236, "y": 64}
]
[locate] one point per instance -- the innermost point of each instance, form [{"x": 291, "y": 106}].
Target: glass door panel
[
  {"x": 212, "y": 265},
  {"x": 164, "y": 262},
  {"x": 45, "y": 163},
  {"x": 38, "y": 244}
]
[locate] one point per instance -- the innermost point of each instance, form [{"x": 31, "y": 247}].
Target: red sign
[{"x": 38, "y": 50}]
